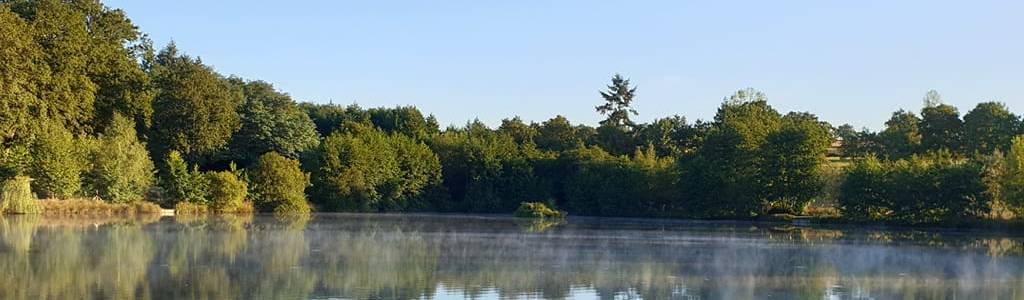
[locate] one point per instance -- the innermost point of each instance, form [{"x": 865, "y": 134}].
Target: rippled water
[{"x": 454, "y": 257}]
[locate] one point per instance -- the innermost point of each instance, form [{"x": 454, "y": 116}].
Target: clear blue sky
[{"x": 846, "y": 61}]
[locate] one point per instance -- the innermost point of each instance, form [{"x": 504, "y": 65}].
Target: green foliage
[
  {"x": 936, "y": 188},
  {"x": 16, "y": 197},
  {"x": 194, "y": 109},
  {"x": 941, "y": 128},
  {"x": 270, "y": 121},
  {"x": 184, "y": 185},
  {"x": 1012, "y": 181},
  {"x": 120, "y": 170},
  {"x": 369, "y": 170},
  {"x": 672, "y": 136},
  {"x": 521, "y": 133},
  {"x": 15, "y": 158},
  {"x": 537, "y": 210},
  {"x": 22, "y": 75},
  {"x": 406, "y": 120},
  {"x": 793, "y": 156},
  {"x": 618, "y": 103},
  {"x": 278, "y": 185},
  {"x": 485, "y": 171},
  {"x": 557, "y": 134},
  {"x": 605, "y": 185},
  {"x": 330, "y": 117},
  {"x": 57, "y": 162},
  {"x": 724, "y": 179},
  {"x": 901, "y": 137},
  {"x": 225, "y": 192},
  {"x": 989, "y": 127}
]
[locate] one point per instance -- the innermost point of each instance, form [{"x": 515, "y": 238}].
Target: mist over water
[{"x": 355, "y": 256}]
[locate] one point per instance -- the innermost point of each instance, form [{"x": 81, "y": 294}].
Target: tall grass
[{"x": 96, "y": 207}]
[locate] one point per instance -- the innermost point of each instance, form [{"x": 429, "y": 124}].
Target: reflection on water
[{"x": 455, "y": 257}]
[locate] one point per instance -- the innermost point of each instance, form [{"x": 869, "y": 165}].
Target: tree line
[{"x": 90, "y": 108}]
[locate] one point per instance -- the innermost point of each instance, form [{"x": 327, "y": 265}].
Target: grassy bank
[{"x": 96, "y": 208}]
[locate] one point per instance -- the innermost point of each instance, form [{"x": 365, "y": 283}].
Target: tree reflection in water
[{"x": 433, "y": 256}]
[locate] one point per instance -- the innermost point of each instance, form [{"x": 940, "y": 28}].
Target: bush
[
  {"x": 602, "y": 185},
  {"x": 919, "y": 190},
  {"x": 537, "y": 210},
  {"x": 16, "y": 197},
  {"x": 183, "y": 185},
  {"x": 121, "y": 170},
  {"x": 226, "y": 192},
  {"x": 56, "y": 163},
  {"x": 278, "y": 185}
]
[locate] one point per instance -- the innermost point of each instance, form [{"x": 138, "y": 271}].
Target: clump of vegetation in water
[
  {"x": 16, "y": 197},
  {"x": 537, "y": 210}
]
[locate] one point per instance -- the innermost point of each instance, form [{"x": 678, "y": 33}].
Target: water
[{"x": 345, "y": 256}]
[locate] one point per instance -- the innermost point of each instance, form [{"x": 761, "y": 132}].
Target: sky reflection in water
[{"x": 457, "y": 257}]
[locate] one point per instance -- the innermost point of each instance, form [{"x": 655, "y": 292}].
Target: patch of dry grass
[{"x": 96, "y": 207}]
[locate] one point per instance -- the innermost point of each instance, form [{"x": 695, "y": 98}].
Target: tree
[
  {"x": 793, "y": 157},
  {"x": 57, "y": 162},
  {"x": 407, "y": 120},
  {"x": 226, "y": 192},
  {"x": 941, "y": 128},
  {"x": 367, "y": 170},
  {"x": 61, "y": 31},
  {"x": 1012, "y": 183},
  {"x": 618, "y": 100},
  {"x": 121, "y": 170},
  {"x": 194, "y": 110},
  {"x": 22, "y": 74},
  {"x": 932, "y": 99},
  {"x": 330, "y": 117},
  {"x": 521, "y": 132},
  {"x": 270, "y": 122},
  {"x": 988, "y": 127},
  {"x": 901, "y": 137},
  {"x": 184, "y": 185},
  {"x": 557, "y": 134},
  {"x": 723, "y": 179},
  {"x": 485, "y": 171},
  {"x": 278, "y": 185}
]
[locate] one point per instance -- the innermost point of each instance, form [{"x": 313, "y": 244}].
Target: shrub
[
  {"x": 537, "y": 210},
  {"x": 16, "y": 197},
  {"x": 121, "y": 170},
  {"x": 183, "y": 185},
  {"x": 919, "y": 190},
  {"x": 278, "y": 185},
  {"x": 56, "y": 163},
  {"x": 226, "y": 193}
]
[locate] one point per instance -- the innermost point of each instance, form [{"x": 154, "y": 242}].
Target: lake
[{"x": 378, "y": 256}]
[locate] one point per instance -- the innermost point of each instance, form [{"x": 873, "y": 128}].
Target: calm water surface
[{"x": 346, "y": 256}]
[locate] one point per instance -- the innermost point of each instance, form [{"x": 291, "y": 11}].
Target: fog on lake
[{"x": 358, "y": 256}]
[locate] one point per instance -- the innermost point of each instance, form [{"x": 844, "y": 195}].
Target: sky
[{"x": 846, "y": 61}]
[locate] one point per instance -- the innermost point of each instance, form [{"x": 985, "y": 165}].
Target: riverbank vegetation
[{"x": 90, "y": 108}]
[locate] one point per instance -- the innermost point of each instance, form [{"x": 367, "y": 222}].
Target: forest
[{"x": 90, "y": 108}]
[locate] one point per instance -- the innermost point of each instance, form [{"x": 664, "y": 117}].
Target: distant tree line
[{"x": 89, "y": 108}]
